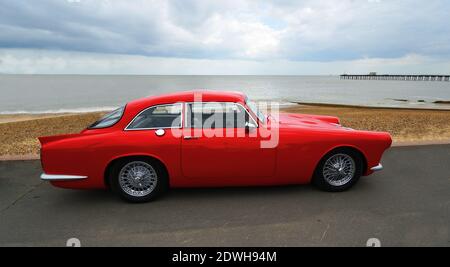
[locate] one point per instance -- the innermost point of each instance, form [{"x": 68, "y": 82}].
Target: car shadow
[
  {"x": 183, "y": 194},
  {"x": 255, "y": 191}
]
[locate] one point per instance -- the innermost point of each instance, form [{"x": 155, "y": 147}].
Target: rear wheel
[
  {"x": 338, "y": 170},
  {"x": 138, "y": 179}
]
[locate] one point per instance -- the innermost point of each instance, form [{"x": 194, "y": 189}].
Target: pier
[{"x": 385, "y": 77}]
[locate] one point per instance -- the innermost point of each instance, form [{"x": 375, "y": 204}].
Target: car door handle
[{"x": 190, "y": 137}]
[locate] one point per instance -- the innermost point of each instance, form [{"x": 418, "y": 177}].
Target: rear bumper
[
  {"x": 379, "y": 167},
  {"x": 61, "y": 177}
]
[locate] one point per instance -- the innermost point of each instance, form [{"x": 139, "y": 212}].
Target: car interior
[{"x": 216, "y": 115}]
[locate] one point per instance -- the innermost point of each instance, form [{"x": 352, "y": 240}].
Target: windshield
[
  {"x": 109, "y": 119},
  {"x": 255, "y": 110}
]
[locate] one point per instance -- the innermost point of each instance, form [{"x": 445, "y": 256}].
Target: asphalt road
[{"x": 406, "y": 204}]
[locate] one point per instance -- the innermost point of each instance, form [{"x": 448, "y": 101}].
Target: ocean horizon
[{"x": 48, "y": 93}]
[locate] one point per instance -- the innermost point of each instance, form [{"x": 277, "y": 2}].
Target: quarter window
[
  {"x": 161, "y": 116},
  {"x": 108, "y": 120}
]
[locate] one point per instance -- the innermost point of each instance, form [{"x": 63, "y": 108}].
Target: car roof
[
  {"x": 134, "y": 107},
  {"x": 188, "y": 96}
]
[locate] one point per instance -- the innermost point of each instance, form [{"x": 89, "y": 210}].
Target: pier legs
[{"x": 440, "y": 78}]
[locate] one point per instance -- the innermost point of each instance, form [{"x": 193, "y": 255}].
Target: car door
[
  {"x": 156, "y": 131},
  {"x": 217, "y": 144}
]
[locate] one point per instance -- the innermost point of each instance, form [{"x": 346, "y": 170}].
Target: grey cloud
[{"x": 306, "y": 30}]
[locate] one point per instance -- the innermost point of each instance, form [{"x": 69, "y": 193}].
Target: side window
[
  {"x": 162, "y": 116},
  {"x": 214, "y": 115}
]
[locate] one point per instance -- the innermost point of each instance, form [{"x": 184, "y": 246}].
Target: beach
[{"x": 19, "y": 132}]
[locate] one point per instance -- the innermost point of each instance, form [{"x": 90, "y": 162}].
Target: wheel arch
[
  {"x": 113, "y": 161},
  {"x": 349, "y": 147}
]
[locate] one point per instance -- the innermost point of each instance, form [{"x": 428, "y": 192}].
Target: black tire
[
  {"x": 325, "y": 184},
  {"x": 157, "y": 188}
]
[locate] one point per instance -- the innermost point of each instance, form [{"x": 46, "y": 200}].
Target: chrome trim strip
[
  {"x": 61, "y": 177},
  {"x": 379, "y": 167},
  {"x": 156, "y": 128},
  {"x": 153, "y": 128}
]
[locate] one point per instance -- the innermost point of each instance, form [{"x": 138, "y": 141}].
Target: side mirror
[{"x": 249, "y": 126}]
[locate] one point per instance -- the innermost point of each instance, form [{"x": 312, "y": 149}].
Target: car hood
[{"x": 304, "y": 120}]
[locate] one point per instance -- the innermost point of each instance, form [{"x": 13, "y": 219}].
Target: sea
[{"x": 36, "y": 94}]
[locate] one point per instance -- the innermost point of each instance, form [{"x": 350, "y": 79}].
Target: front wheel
[
  {"x": 138, "y": 180},
  {"x": 338, "y": 170}
]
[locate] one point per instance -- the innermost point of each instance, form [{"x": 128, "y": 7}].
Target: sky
[{"x": 318, "y": 37}]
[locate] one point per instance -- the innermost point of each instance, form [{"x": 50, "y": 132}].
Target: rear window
[{"x": 109, "y": 119}]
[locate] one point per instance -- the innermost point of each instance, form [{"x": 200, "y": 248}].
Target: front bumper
[
  {"x": 379, "y": 167},
  {"x": 61, "y": 177}
]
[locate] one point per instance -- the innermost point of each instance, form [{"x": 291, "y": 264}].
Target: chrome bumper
[
  {"x": 60, "y": 177},
  {"x": 379, "y": 167}
]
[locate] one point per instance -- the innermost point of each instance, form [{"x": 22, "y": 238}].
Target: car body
[{"x": 84, "y": 160}]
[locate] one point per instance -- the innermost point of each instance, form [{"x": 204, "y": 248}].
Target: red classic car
[{"x": 208, "y": 138}]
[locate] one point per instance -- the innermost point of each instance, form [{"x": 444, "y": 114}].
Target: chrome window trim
[
  {"x": 217, "y": 102},
  {"x": 265, "y": 115},
  {"x": 156, "y": 128}
]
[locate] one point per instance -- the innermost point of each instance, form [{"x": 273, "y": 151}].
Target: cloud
[
  {"x": 293, "y": 30},
  {"x": 250, "y": 33}
]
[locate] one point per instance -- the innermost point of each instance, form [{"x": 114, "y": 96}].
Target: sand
[
  {"x": 405, "y": 125},
  {"x": 19, "y": 137},
  {"x": 18, "y": 133}
]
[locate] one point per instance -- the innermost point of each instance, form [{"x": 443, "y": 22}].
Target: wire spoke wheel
[
  {"x": 138, "y": 178},
  {"x": 339, "y": 169}
]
